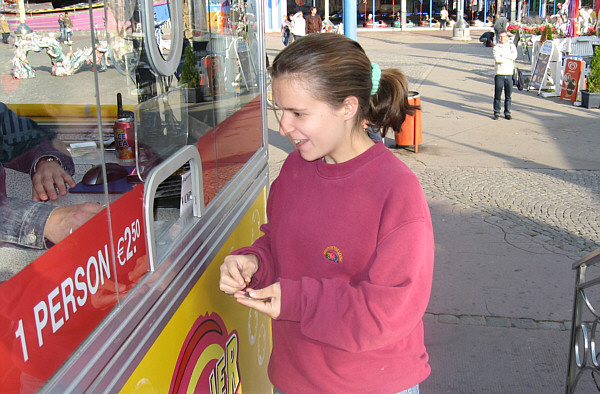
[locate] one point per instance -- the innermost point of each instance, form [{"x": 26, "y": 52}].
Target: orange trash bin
[{"x": 411, "y": 132}]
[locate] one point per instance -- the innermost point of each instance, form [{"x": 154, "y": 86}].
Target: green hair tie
[{"x": 375, "y": 77}]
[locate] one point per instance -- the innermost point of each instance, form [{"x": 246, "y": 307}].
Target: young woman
[{"x": 346, "y": 260}]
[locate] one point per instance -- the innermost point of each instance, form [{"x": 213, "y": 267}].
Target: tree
[
  {"x": 593, "y": 80},
  {"x": 189, "y": 73}
]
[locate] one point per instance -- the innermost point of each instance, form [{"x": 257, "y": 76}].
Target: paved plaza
[{"x": 514, "y": 204}]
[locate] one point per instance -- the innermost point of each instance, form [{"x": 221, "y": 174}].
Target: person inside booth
[{"x": 30, "y": 148}]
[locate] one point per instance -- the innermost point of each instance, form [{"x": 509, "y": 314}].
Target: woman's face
[{"x": 315, "y": 129}]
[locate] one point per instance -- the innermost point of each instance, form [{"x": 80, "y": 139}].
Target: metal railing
[{"x": 584, "y": 353}]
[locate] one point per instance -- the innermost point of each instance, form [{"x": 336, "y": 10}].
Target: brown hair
[{"x": 335, "y": 67}]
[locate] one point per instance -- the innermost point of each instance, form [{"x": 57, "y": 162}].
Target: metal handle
[{"x": 157, "y": 176}]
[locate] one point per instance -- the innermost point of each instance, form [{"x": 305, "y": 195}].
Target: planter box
[
  {"x": 590, "y": 100},
  {"x": 194, "y": 95}
]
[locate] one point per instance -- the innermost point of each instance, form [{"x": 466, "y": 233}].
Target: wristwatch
[{"x": 45, "y": 158}]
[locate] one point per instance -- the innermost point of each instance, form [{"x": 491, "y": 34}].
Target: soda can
[{"x": 124, "y": 138}]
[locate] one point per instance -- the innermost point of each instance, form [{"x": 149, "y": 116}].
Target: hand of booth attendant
[
  {"x": 237, "y": 272},
  {"x": 48, "y": 177},
  {"x": 63, "y": 221},
  {"x": 267, "y": 300}
]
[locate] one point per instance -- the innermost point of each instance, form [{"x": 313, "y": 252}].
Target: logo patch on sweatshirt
[{"x": 333, "y": 254}]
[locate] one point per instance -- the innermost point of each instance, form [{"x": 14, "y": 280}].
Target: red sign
[
  {"x": 49, "y": 308},
  {"x": 570, "y": 84}
]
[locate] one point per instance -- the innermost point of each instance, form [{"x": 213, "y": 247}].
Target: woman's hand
[
  {"x": 237, "y": 272},
  {"x": 267, "y": 300}
]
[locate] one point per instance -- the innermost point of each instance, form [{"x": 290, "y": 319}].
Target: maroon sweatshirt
[{"x": 352, "y": 246}]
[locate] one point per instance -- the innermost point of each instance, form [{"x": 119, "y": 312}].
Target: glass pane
[
  {"x": 233, "y": 86},
  {"x": 92, "y": 83},
  {"x": 63, "y": 270}
]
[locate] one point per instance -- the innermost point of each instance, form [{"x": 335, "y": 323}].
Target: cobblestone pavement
[{"x": 558, "y": 207}]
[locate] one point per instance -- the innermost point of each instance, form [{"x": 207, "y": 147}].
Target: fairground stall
[{"x": 158, "y": 109}]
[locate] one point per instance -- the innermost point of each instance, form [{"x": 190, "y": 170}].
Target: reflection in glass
[
  {"x": 162, "y": 28},
  {"x": 163, "y": 35},
  {"x": 161, "y": 129},
  {"x": 123, "y": 31}
]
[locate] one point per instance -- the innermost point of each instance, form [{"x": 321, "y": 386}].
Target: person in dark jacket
[
  {"x": 62, "y": 27},
  {"x": 314, "y": 23},
  {"x": 487, "y": 38},
  {"x": 30, "y": 148}
]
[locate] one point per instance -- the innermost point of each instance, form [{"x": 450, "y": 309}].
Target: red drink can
[{"x": 124, "y": 138}]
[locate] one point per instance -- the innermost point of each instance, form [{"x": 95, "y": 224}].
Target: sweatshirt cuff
[{"x": 291, "y": 302}]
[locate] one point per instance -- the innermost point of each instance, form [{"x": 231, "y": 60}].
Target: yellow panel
[{"x": 211, "y": 344}]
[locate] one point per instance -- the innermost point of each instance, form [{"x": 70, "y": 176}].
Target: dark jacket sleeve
[{"x": 23, "y": 142}]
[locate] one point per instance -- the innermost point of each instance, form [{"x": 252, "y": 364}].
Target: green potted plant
[
  {"x": 190, "y": 76},
  {"x": 590, "y": 98}
]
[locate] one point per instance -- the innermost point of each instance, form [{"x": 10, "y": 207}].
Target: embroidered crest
[{"x": 333, "y": 254}]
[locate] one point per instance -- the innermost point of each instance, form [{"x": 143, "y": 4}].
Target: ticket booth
[{"x": 156, "y": 109}]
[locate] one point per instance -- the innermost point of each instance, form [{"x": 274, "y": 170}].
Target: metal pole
[
  {"x": 21, "y": 11},
  {"x": 350, "y": 19},
  {"x": 373, "y": 14},
  {"x": 485, "y": 13},
  {"x": 430, "y": 11},
  {"x": 326, "y": 9}
]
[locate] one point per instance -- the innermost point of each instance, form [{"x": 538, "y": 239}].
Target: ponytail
[
  {"x": 390, "y": 106},
  {"x": 335, "y": 67}
]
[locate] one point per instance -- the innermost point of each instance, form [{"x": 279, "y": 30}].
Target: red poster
[
  {"x": 49, "y": 308},
  {"x": 570, "y": 84}
]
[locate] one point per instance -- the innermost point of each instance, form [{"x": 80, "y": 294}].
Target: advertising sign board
[
  {"x": 571, "y": 76},
  {"x": 540, "y": 71}
]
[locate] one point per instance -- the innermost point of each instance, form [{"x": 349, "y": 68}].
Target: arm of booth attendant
[
  {"x": 29, "y": 147},
  {"x": 63, "y": 221},
  {"x": 29, "y": 223}
]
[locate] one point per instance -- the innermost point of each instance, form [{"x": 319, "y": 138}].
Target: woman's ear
[{"x": 350, "y": 107}]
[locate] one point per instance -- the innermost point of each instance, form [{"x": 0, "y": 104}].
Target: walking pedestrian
[
  {"x": 68, "y": 28},
  {"x": 5, "y": 29},
  {"x": 285, "y": 30},
  {"x": 314, "y": 23},
  {"x": 443, "y": 18},
  {"x": 345, "y": 265},
  {"x": 505, "y": 54},
  {"x": 62, "y": 28},
  {"x": 298, "y": 25}
]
